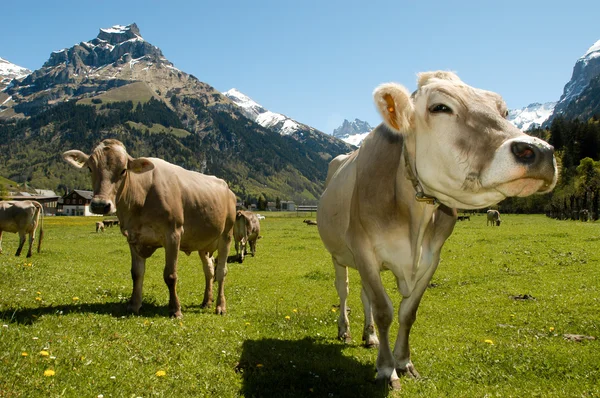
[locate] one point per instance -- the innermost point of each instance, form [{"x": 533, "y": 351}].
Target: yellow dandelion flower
[
  {"x": 38, "y": 292},
  {"x": 552, "y": 329},
  {"x": 247, "y": 323},
  {"x": 38, "y": 299},
  {"x": 160, "y": 373},
  {"x": 24, "y": 354},
  {"x": 333, "y": 309},
  {"x": 44, "y": 353},
  {"x": 488, "y": 341},
  {"x": 49, "y": 373},
  {"x": 294, "y": 310},
  {"x": 75, "y": 298},
  {"x": 287, "y": 317},
  {"x": 259, "y": 365}
]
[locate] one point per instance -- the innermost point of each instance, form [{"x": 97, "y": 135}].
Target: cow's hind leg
[
  {"x": 170, "y": 272},
  {"x": 31, "y": 239},
  {"x": 341, "y": 285},
  {"x": 221, "y": 273},
  {"x": 22, "y": 239},
  {"x": 138, "y": 269},
  {"x": 209, "y": 275},
  {"x": 369, "y": 336}
]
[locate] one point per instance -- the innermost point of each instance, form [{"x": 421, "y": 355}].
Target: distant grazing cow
[
  {"x": 493, "y": 218},
  {"x": 463, "y": 218},
  {"x": 584, "y": 215},
  {"x": 245, "y": 231},
  {"x": 391, "y": 204},
  {"x": 99, "y": 226},
  {"x": 162, "y": 205},
  {"x": 22, "y": 217},
  {"x": 310, "y": 222}
]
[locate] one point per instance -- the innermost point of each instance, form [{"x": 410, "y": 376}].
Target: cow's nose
[
  {"x": 100, "y": 207},
  {"x": 529, "y": 153}
]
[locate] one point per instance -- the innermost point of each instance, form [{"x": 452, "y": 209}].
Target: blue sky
[{"x": 318, "y": 61}]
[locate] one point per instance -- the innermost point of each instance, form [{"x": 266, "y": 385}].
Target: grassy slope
[{"x": 82, "y": 281}]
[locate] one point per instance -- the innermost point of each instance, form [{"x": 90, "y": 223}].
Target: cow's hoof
[
  {"x": 395, "y": 385},
  {"x": 409, "y": 371},
  {"x": 135, "y": 309},
  {"x": 371, "y": 343},
  {"x": 176, "y": 314},
  {"x": 345, "y": 337},
  {"x": 206, "y": 304},
  {"x": 220, "y": 310}
]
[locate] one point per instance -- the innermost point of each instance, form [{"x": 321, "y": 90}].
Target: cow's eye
[
  {"x": 124, "y": 171},
  {"x": 506, "y": 114},
  {"x": 440, "y": 108}
]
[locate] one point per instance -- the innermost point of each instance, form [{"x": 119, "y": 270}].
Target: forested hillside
[{"x": 256, "y": 162}]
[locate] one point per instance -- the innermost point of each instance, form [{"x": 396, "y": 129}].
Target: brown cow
[
  {"x": 391, "y": 204},
  {"x": 22, "y": 217},
  {"x": 99, "y": 226},
  {"x": 162, "y": 205},
  {"x": 246, "y": 230},
  {"x": 493, "y": 218}
]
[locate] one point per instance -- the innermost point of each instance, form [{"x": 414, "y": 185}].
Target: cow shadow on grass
[
  {"x": 28, "y": 316},
  {"x": 304, "y": 368}
]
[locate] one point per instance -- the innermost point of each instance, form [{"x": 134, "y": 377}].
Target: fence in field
[{"x": 306, "y": 209}]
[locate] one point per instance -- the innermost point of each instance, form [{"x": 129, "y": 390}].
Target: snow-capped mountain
[
  {"x": 353, "y": 132},
  {"x": 271, "y": 120},
  {"x": 531, "y": 116},
  {"x": 10, "y": 71},
  {"x": 586, "y": 68}
]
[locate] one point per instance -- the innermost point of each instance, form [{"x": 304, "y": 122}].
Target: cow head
[
  {"x": 109, "y": 165},
  {"x": 463, "y": 150}
]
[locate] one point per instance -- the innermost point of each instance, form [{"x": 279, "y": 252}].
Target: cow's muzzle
[
  {"x": 537, "y": 156},
  {"x": 100, "y": 206}
]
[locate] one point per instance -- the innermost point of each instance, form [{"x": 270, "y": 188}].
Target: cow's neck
[
  {"x": 411, "y": 172},
  {"x": 132, "y": 193}
]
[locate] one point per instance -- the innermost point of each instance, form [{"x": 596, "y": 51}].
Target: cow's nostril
[{"x": 524, "y": 152}]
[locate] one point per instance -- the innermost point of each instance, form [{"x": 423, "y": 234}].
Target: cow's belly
[{"x": 9, "y": 226}]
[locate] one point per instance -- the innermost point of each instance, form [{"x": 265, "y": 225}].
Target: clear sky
[{"x": 318, "y": 61}]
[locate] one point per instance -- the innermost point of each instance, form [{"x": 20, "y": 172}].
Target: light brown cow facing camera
[
  {"x": 245, "y": 231},
  {"x": 159, "y": 204},
  {"x": 391, "y": 204}
]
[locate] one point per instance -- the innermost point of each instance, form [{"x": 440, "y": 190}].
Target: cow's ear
[
  {"x": 76, "y": 158},
  {"x": 395, "y": 106},
  {"x": 140, "y": 165}
]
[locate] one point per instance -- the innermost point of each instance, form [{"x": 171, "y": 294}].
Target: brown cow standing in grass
[
  {"x": 162, "y": 205},
  {"x": 391, "y": 204},
  {"x": 245, "y": 231},
  {"x": 22, "y": 217}
]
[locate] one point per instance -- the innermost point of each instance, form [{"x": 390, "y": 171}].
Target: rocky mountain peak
[{"x": 119, "y": 34}]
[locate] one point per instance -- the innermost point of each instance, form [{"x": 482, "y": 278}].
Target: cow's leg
[
  {"x": 209, "y": 275},
  {"x": 369, "y": 336},
  {"x": 221, "y": 273},
  {"x": 407, "y": 314},
  {"x": 170, "y": 272},
  {"x": 253, "y": 246},
  {"x": 138, "y": 268},
  {"x": 341, "y": 285},
  {"x": 22, "y": 239},
  {"x": 242, "y": 249},
  {"x": 383, "y": 311},
  {"x": 31, "y": 239}
]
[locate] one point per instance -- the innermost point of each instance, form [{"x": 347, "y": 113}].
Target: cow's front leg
[
  {"x": 170, "y": 272},
  {"x": 341, "y": 285},
  {"x": 407, "y": 314},
  {"x": 209, "y": 275},
  {"x": 138, "y": 268},
  {"x": 221, "y": 272},
  {"x": 22, "y": 239},
  {"x": 383, "y": 311}
]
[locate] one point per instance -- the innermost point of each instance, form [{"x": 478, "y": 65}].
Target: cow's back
[{"x": 202, "y": 204}]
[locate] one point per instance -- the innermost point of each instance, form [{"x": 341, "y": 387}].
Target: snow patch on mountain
[
  {"x": 256, "y": 112},
  {"x": 531, "y": 116},
  {"x": 10, "y": 71}
]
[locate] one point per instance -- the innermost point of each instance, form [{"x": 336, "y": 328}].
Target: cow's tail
[{"x": 39, "y": 215}]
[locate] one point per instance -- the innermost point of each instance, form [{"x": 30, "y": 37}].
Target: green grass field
[{"x": 64, "y": 330}]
